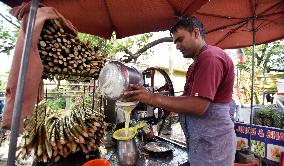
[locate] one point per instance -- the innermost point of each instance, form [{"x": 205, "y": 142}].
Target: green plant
[
  {"x": 257, "y": 119},
  {"x": 282, "y": 122},
  {"x": 276, "y": 119},
  {"x": 269, "y": 116},
  {"x": 267, "y": 119},
  {"x": 2, "y": 85},
  {"x": 55, "y": 104}
]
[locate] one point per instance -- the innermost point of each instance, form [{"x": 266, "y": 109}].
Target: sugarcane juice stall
[
  {"x": 77, "y": 134},
  {"x": 135, "y": 145}
]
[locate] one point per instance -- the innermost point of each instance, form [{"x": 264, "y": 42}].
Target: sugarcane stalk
[
  {"x": 94, "y": 146},
  {"x": 50, "y": 124},
  {"x": 89, "y": 147},
  {"x": 58, "y": 144},
  {"x": 55, "y": 153},
  {"x": 61, "y": 132},
  {"x": 90, "y": 125},
  {"x": 68, "y": 133},
  {"x": 48, "y": 148},
  {"x": 74, "y": 132},
  {"x": 60, "y": 152},
  {"x": 77, "y": 127},
  {"x": 39, "y": 145},
  {"x": 53, "y": 136},
  {"x": 78, "y": 149},
  {"x": 22, "y": 153},
  {"x": 91, "y": 134},
  {"x": 92, "y": 140},
  {"x": 43, "y": 138},
  {"x": 97, "y": 124},
  {"x": 56, "y": 158},
  {"x": 54, "y": 40},
  {"x": 79, "y": 120},
  {"x": 44, "y": 158},
  {"x": 83, "y": 148},
  {"x": 65, "y": 151}
]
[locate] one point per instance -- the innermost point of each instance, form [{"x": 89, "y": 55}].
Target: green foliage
[
  {"x": 3, "y": 85},
  {"x": 56, "y": 104},
  {"x": 79, "y": 102},
  {"x": 277, "y": 55},
  {"x": 56, "y": 100},
  {"x": 268, "y": 116},
  {"x": 7, "y": 39},
  {"x": 8, "y": 32},
  {"x": 267, "y": 56},
  {"x": 105, "y": 46},
  {"x": 109, "y": 48}
]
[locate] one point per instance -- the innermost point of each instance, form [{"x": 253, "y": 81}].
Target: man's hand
[
  {"x": 179, "y": 104},
  {"x": 138, "y": 93}
]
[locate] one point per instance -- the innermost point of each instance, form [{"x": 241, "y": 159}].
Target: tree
[
  {"x": 8, "y": 32},
  {"x": 2, "y": 85},
  {"x": 134, "y": 56},
  {"x": 267, "y": 56},
  {"x": 133, "y": 47},
  {"x": 7, "y": 39},
  {"x": 277, "y": 55}
]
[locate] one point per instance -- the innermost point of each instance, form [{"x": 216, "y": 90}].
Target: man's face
[{"x": 185, "y": 42}]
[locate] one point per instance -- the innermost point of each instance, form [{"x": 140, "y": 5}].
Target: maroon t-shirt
[{"x": 211, "y": 75}]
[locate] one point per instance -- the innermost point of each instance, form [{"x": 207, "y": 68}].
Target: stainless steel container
[
  {"x": 116, "y": 77},
  {"x": 127, "y": 152}
]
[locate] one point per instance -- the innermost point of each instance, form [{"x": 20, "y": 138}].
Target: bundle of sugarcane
[
  {"x": 62, "y": 53},
  {"x": 60, "y": 134}
]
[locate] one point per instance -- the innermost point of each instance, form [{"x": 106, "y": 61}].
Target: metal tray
[{"x": 158, "y": 147}]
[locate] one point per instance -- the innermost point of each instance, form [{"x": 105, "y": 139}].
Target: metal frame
[{"x": 252, "y": 73}]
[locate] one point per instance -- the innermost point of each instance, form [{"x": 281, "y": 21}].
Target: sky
[{"x": 5, "y": 61}]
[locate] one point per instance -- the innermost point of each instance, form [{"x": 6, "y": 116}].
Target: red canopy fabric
[
  {"x": 229, "y": 23},
  {"x": 124, "y": 17}
]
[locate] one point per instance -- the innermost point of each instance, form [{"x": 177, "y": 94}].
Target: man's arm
[{"x": 181, "y": 104}]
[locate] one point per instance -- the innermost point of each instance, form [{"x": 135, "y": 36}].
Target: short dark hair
[{"x": 188, "y": 23}]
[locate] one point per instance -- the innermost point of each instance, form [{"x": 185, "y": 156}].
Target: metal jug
[
  {"x": 116, "y": 77},
  {"x": 127, "y": 152}
]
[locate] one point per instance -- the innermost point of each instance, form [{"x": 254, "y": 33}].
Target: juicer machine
[{"x": 114, "y": 79}]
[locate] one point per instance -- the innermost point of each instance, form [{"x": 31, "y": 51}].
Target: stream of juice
[{"x": 126, "y": 107}]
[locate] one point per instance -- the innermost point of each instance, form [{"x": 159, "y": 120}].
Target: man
[{"x": 204, "y": 106}]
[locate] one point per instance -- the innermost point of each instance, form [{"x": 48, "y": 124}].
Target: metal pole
[
  {"x": 238, "y": 75},
  {"x": 263, "y": 89},
  {"x": 252, "y": 77},
  {"x": 21, "y": 84}
]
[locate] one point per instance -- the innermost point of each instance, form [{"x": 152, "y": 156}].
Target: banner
[{"x": 266, "y": 142}]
